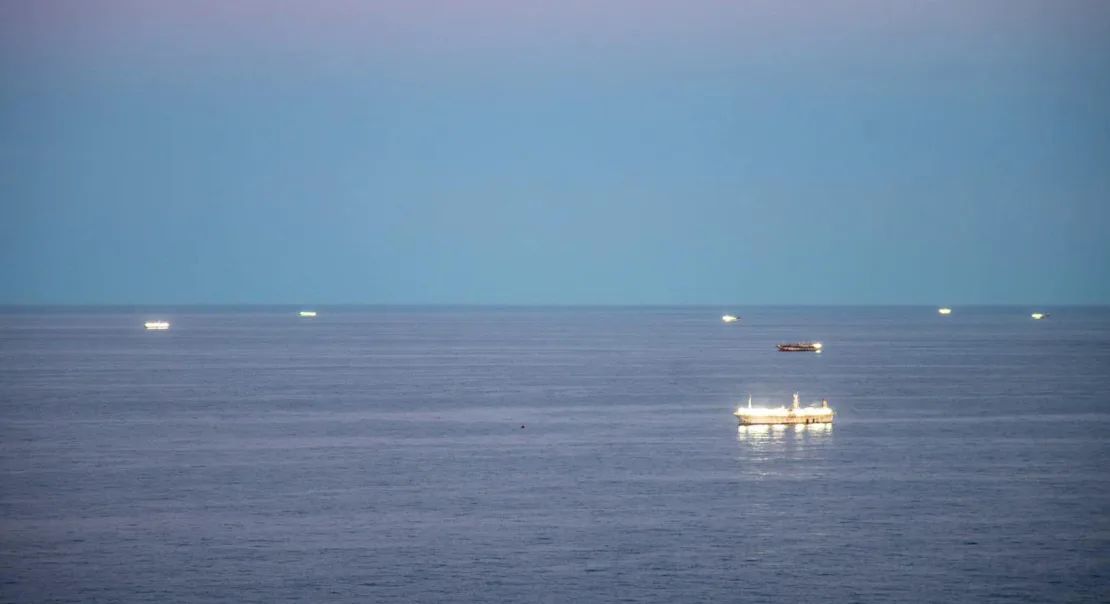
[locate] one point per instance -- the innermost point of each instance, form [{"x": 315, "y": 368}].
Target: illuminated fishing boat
[
  {"x": 1039, "y": 315},
  {"x": 800, "y": 347},
  {"x": 157, "y": 325},
  {"x": 307, "y": 313},
  {"x": 944, "y": 311},
  {"x": 817, "y": 413},
  {"x": 730, "y": 318}
]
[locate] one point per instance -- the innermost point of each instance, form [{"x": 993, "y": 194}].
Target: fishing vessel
[
  {"x": 1039, "y": 315},
  {"x": 817, "y": 413},
  {"x": 800, "y": 347},
  {"x": 944, "y": 311},
  {"x": 157, "y": 325},
  {"x": 730, "y": 318},
  {"x": 307, "y": 313}
]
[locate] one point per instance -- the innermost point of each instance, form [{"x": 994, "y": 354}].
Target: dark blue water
[{"x": 379, "y": 455}]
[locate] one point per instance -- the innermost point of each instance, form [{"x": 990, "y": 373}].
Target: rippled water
[{"x": 558, "y": 455}]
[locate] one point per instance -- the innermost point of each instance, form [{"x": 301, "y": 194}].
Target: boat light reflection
[{"x": 761, "y": 432}]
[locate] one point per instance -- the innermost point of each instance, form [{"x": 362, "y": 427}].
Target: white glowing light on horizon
[{"x": 157, "y": 325}]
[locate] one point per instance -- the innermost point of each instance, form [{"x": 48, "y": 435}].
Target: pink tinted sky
[{"x": 433, "y": 26}]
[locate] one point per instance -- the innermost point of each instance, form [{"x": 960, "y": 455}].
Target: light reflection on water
[
  {"x": 780, "y": 431},
  {"x": 764, "y": 448}
]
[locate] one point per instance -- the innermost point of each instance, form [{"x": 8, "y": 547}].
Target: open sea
[{"x": 552, "y": 455}]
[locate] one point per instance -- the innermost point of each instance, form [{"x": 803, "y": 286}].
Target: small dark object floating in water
[{"x": 800, "y": 347}]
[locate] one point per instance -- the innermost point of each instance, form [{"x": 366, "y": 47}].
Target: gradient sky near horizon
[{"x": 521, "y": 152}]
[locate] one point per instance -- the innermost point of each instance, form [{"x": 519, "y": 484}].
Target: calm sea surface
[{"x": 553, "y": 455}]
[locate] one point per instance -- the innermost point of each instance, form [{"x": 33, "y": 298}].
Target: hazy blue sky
[{"x": 555, "y": 152}]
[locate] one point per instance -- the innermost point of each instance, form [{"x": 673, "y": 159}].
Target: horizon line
[{"x": 340, "y": 305}]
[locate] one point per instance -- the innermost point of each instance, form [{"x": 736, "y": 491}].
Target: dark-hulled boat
[{"x": 800, "y": 347}]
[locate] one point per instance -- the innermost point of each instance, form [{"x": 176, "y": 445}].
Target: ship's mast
[{"x": 796, "y": 403}]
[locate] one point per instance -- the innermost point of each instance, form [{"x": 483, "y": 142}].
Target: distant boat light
[
  {"x": 729, "y": 318},
  {"x": 1039, "y": 315},
  {"x": 945, "y": 311},
  {"x": 307, "y": 313},
  {"x": 157, "y": 325}
]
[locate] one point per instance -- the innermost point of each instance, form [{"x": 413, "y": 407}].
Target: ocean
[{"x": 571, "y": 454}]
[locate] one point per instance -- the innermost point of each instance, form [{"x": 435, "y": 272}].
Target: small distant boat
[
  {"x": 730, "y": 318},
  {"x": 307, "y": 313},
  {"x": 157, "y": 325},
  {"x": 800, "y": 347},
  {"x": 944, "y": 311},
  {"x": 796, "y": 414},
  {"x": 1039, "y": 315}
]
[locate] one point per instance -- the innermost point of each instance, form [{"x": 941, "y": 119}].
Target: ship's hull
[
  {"x": 771, "y": 420},
  {"x": 797, "y": 348}
]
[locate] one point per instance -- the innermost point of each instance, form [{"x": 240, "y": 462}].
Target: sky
[{"x": 569, "y": 152}]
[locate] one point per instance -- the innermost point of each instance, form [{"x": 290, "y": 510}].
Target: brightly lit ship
[
  {"x": 944, "y": 311},
  {"x": 796, "y": 414},
  {"x": 157, "y": 325},
  {"x": 730, "y": 318},
  {"x": 307, "y": 313}
]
